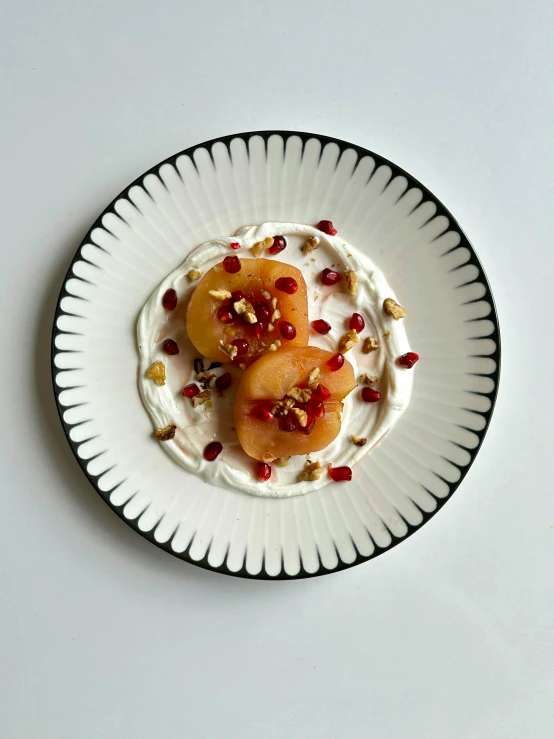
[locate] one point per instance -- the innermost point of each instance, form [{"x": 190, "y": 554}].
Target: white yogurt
[{"x": 196, "y": 427}]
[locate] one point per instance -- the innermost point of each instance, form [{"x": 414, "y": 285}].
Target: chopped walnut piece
[
  {"x": 270, "y": 327},
  {"x": 156, "y": 372},
  {"x": 301, "y": 416},
  {"x": 310, "y": 244},
  {"x": 370, "y": 345},
  {"x": 194, "y": 274},
  {"x": 266, "y": 294},
  {"x": 203, "y": 376},
  {"x": 244, "y": 307},
  {"x": 282, "y": 407},
  {"x": 220, "y": 294},
  {"x": 201, "y": 398},
  {"x": 276, "y": 316},
  {"x": 281, "y": 461},
  {"x": 211, "y": 381},
  {"x": 359, "y": 440},
  {"x": 228, "y": 349},
  {"x": 273, "y": 347},
  {"x": 301, "y": 395},
  {"x": 351, "y": 281},
  {"x": 313, "y": 378},
  {"x": 311, "y": 471},
  {"x": 368, "y": 379},
  {"x": 165, "y": 434},
  {"x": 392, "y": 308},
  {"x": 349, "y": 340},
  {"x": 386, "y": 335}
]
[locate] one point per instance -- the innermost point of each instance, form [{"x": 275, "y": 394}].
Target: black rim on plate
[{"x": 487, "y": 415}]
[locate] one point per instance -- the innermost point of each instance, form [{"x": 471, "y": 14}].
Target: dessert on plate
[{"x": 274, "y": 360}]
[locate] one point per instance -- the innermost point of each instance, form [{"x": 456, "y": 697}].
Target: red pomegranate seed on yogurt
[
  {"x": 279, "y": 243},
  {"x": 286, "y": 285},
  {"x": 321, "y": 326},
  {"x": 315, "y": 408},
  {"x": 225, "y": 315},
  {"x": 169, "y": 300},
  {"x": 321, "y": 393},
  {"x": 356, "y": 323},
  {"x": 287, "y": 330},
  {"x": 242, "y": 347},
  {"x": 369, "y": 395},
  {"x": 263, "y": 471},
  {"x": 408, "y": 360},
  {"x": 223, "y": 381},
  {"x": 213, "y": 450},
  {"x": 329, "y": 276},
  {"x": 336, "y": 362},
  {"x": 327, "y": 227},
  {"x": 287, "y": 423},
  {"x": 308, "y": 428},
  {"x": 191, "y": 391},
  {"x": 340, "y": 474},
  {"x": 231, "y": 265},
  {"x": 170, "y": 347},
  {"x": 234, "y": 245},
  {"x": 262, "y": 413}
]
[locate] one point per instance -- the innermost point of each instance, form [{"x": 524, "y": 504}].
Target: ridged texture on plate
[{"x": 212, "y": 190}]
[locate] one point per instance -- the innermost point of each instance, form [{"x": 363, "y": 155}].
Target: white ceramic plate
[{"x": 211, "y": 190}]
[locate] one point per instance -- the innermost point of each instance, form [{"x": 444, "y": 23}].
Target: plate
[{"x": 211, "y": 190}]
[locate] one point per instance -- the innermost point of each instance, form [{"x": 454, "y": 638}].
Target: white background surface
[{"x": 448, "y": 635}]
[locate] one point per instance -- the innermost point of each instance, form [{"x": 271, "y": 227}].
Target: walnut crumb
[
  {"x": 301, "y": 416},
  {"x": 220, "y": 294},
  {"x": 310, "y": 244},
  {"x": 244, "y": 307},
  {"x": 270, "y": 327},
  {"x": 349, "y": 340},
  {"x": 311, "y": 471},
  {"x": 212, "y": 379},
  {"x": 351, "y": 281},
  {"x": 386, "y": 335},
  {"x": 359, "y": 440},
  {"x": 276, "y": 316},
  {"x": 266, "y": 294},
  {"x": 281, "y": 461},
  {"x": 228, "y": 349},
  {"x": 165, "y": 434},
  {"x": 368, "y": 379},
  {"x": 313, "y": 378},
  {"x": 156, "y": 372},
  {"x": 242, "y": 366},
  {"x": 392, "y": 308},
  {"x": 201, "y": 398},
  {"x": 257, "y": 249},
  {"x": 370, "y": 345},
  {"x": 194, "y": 274},
  {"x": 282, "y": 407},
  {"x": 274, "y": 303},
  {"x": 316, "y": 295},
  {"x": 301, "y": 395}
]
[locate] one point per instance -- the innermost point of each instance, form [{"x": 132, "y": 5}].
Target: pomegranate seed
[
  {"x": 170, "y": 347},
  {"x": 327, "y": 227},
  {"x": 262, "y": 311},
  {"x": 169, "y": 300},
  {"x": 237, "y": 295},
  {"x": 190, "y": 391},
  {"x": 279, "y": 243},
  {"x": 263, "y": 471},
  {"x": 340, "y": 474},
  {"x": 223, "y": 381},
  {"x": 408, "y": 360},
  {"x": 315, "y": 408},
  {"x": 336, "y": 362},
  {"x": 356, "y": 323},
  {"x": 321, "y": 393},
  {"x": 329, "y": 276},
  {"x": 321, "y": 326},
  {"x": 225, "y": 315},
  {"x": 256, "y": 329},
  {"x": 308, "y": 428},
  {"x": 231, "y": 265},
  {"x": 242, "y": 347},
  {"x": 212, "y": 451},
  {"x": 262, "y": 413},
  {"x": 234, "y": 245},
  {"x": 286, "y": 285},
  {"x": 286, "y": 423},
  {"x": 369, "y": 395},
  {"x": 287, "y": 330}
]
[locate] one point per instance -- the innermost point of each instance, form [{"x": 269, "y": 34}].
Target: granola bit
[
  {"x": 368, "y": 379},
  {"x": 386, "y": 335},
  {"x": 301, "y": 395},
  {"x": 349, "y": 340},
  {"x": 165, "y": 434},
  {"x": 276, "y": 316},
  {"x": 220, "y": 294},
  {"x": 281, "y": 461},
  {"x": 194, "y": 274},
  {"x": 243, "y": 307},
  {"x": 370, "y": 345},
  {"x": 201, "y": 398},
  {"x": 313, "y": 378},
  {"x": 359, "y": 440},
  {"x": 266, "y": 294},
  {"x": 228, "y": 349},
  {"x": 156, "y": 372},
  {"x": 311, "y": 244},
  {"x": 311, "y": 471},
  {"x": 392, "y": 308},
  {"x": 301, "y": 416},
  {"x": 351, "y": 281}
]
